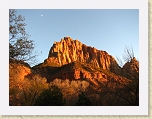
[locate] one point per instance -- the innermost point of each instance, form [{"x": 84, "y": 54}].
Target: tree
[
  {"x": 32, "y": 87},
  {"x": 50, "y": 97},
  {"x": 20, "y": 47},
  {"x": 130, "y": 70},
  {"x": 23, "y": 91},
  {"x": 122, "y": 88},
  {"x": 83, "y": 100},
  {"x": 127, "y": 56}
]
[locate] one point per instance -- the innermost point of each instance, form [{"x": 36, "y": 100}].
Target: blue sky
[{"x": 105, "y": 29}]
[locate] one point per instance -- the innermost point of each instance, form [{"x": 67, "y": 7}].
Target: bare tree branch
[{"x": 20, "y": 47}]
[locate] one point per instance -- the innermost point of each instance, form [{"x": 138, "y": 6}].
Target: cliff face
[
  {"x": 76, "y": 71},
  {"x": 131, "y": 69},
  {"x": 75, "y": 67},
  {"x": 18, "y": 70},
  {"x": 69, "y": 50}
]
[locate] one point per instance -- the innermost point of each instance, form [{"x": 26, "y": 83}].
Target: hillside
[{"x": 75, "y": 68}]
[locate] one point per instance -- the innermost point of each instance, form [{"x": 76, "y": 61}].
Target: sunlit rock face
[
  {"x": 69, "y": 50},
  {"x": 18, "y": 70},
  {"x": 131, "y": 69}
]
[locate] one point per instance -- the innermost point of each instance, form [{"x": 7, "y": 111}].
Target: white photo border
[{"x": 142, "y": 109}]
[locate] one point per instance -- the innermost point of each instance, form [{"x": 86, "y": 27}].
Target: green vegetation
[
  {"x": 50, "y": 97},
  {"x": 83, "y": 100}
]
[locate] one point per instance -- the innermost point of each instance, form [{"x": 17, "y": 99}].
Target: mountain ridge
[
  {"x": 69, "y": 50},
  {"x": 87, "y": 71}
]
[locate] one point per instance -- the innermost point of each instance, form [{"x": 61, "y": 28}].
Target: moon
[{"x": 41, "y": 15}]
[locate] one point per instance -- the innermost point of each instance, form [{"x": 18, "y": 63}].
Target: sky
[{"x": 105, "y": 29}]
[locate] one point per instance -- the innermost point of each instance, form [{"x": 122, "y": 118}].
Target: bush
[
  {"x": 50, "y": 97},
  {"x": 83, "y": 100}
]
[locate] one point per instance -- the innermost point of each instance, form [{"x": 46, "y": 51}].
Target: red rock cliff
[
  {"x": 69, "y": 50},
  {"x": 131, "y": 69}
]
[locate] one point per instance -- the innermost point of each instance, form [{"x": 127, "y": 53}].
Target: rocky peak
[
  {"x": 69, "y": 50},
  {"x": 131, "y": 69}
]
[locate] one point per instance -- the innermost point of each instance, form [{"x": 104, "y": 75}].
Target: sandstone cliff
[
  {"x": 69, "y": 50},
  {"x": 131, "y": 69},
  {"x": 18, "y": 70},
  {"x": 79, "y": 71},
  {"x": 75, "y": 67}
]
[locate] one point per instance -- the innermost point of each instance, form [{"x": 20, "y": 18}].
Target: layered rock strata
[{"x": 69, "y": 50}]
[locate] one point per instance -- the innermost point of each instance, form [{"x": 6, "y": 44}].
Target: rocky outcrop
[
  {"x": 69, "y": 50},
  {"x": 131, "y": 69},
  {"x": 92, "y": 77},
  {"x": 18, "y": 70}
]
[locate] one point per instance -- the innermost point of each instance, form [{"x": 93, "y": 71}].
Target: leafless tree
[
  {"x": 128, "y": 54},
  {"x": 131, "y": 71},
  {"x": 20, "y": 47},
  {"x": 124, "y": 93}
]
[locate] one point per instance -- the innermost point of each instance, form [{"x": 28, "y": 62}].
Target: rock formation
[
  {"x": 131, "y": 69},
  {"x": 69, "y": 50},
  {"x": 75, "y": 71},
  {"x": 18, "y": 70},
  {"x": 75, "y": 67}
]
